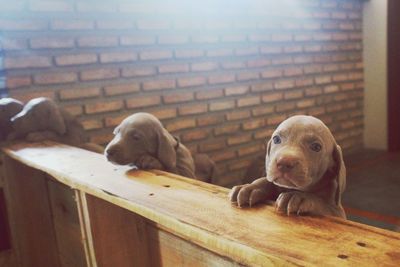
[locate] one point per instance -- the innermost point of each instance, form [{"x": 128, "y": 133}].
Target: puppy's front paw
[
  {"x": 247, "y": 194},
  {"x": 148, "y": 162},
  {"x": 296, "y": 202}
]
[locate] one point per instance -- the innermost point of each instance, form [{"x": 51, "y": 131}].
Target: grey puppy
[
  {"x": 9, "y": 107},
  {"x": 141, "y": 140},
  {"x": 305, "y": 171},
  {"x": 42, "y": 119},
  {"x": 206, "y": 169}
]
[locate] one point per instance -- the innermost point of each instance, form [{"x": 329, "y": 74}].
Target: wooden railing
[{"x": 70, "y": 207}]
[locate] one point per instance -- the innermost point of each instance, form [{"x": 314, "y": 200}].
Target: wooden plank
[
  {"x": 66, "y": 225},
  {"x": 7, "y": 259},
  {"x": 119, "y": 236},
  {"x": 31, "y": 215},
  {"x": 201, "y": 214}
]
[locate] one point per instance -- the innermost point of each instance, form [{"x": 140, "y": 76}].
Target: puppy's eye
[
  {"x": 134, "y": 136},
  {"x": 277, "y": 139},
  {"x": 316, "y": 147}
]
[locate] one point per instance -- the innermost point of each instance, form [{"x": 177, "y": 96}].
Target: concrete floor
[{"x": 372, "y": 193}]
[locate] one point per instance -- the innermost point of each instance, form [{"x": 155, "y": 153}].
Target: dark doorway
[{"x": 393, "y": 75}]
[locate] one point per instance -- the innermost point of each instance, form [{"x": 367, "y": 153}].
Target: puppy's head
[
  {"x": 9, "y": 107},
  {"x": 138, "y": 135},
  {"x": 302, "y": 151},
  {"x": 39, "y": 114}
]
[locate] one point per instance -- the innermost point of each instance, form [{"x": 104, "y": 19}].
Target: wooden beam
[{"x": 200, "y": 214}]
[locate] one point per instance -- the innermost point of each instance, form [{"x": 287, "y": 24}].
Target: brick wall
[{"x": 220, "y": 74}]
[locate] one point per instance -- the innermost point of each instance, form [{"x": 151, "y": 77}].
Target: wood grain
[{"x": 201, "y": 214}]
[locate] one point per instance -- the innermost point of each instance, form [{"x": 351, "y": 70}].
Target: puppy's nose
[
  {"x": 286, "y": 164},
  {"x": 111, "y": 152}
]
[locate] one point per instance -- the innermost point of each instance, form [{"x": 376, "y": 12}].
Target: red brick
[
  {"x": 262, "y": 110},
  {"x": 193, "y": 109},
  {"x": 209, "y": 94},
  {"x": 153, "y": 24},
  {"x": 241, "y": 164},
  {"x": 92, "y": 124},
  {"x": 178, "y": 97},
  {"x": 120, "y": 89},
  {"x": 137, "y": 40},
  {"x": 69, "y": 24},
  {"x": 204, "y": 66},
  {"x": 293, "y": 71},
  {"x": 101, "y": 138},
  {"x": 285, "y": 106},
  {"x": 311, "y": 69},
  {"x": 275, "y": 119},
  {"x": 270, "y": 50},
  {"x": 233, "y": 65},
  {"x": 306, "y": 103},
  {"x": 173, "y": 68},
  {"x": 22, "y": 25},
  {"x": 14, "y": 43},
  {"x": 195, "y": 135},
  {"x": 313, "y": 91},
  {"x": 236, "y": 90},
  {"x": 226, "y": 129},
  {"x": 253, "y": 124},
  {"x": 212, "y": 146},
  {"x": 248, "y": 101},
  {"x": 56, "y": 77},
  {"x": 50, "y": 6},
  {"x": 258, "y": 63},
  {"x": 222, "y": 105},
  {"x": 260, "y": 37},
  {"x": 114, "y": 24},
  {"x": 99, "y": 74},
  {"x": 207, "y": 39},
  {"x": 173, "y": 39},
  {"x": 155, "y": 55},
  {"x": 312, "y": 26},
  {"x": 181, "y": 124},
  {"x": 76, "y": 93},
  {"x": 21, "y": 62},
  {"x": 347, "y": 86},
  {"x": 220, "y": 52},
  {"x": 279, "y": 37},
  {"x": 115, "y": 120},
  {"x": 164, "y": 113},
  {"x": 302, "y": 59},
  {"x": 323, "y": 79},
  {"x": 99, "y": 107},
  {"x": 272, "y": 97},
  {"x": 304, "y": 81},
  {"x": 272, "y": 73},
  {"x": 295, "y": 94},
  {"x": 313, "y": 48},
  {"x": 293, "y": 49},
  {"x": 75, "y": 59},
  {"x": 143, "y": 101},
  {"x": 239, "y": 139},
  {"x": 284, "y": 84},
  {"x": 234, "y": 38},
  {"x": 246, "y": 51},
  {"x": 75, "y": 110},
  {"x": 26, "y": 95},
  {"x": 221, "y": 156},
  {"x": 260, "y": 87},
  {"x": 191, "y": 81},
  {"x": 158, "y": 84},
  {"x": 18, "y": 81},
  {"x": 98, "y": 7},
  {"x": 98, "y": 41},
  {"x": 250, "y": 150},
  {"x": 316, "y": 111},
  {"x": 111, "y": 57},
  {"x": 331, "y": 89},
  {"x": 246, "y": 76},
  {"x": 189, "y": 53},
  {"x": 302, "y": 37},
  {"x": 210, "y": 120},
  {"x": 52, "y": 42},
  {"x": 138, "y": 71},
  {"x": 282, "y": 61},
  {"x": 237, "y": 115}
]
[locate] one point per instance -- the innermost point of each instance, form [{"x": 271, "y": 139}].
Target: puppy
[
  {"x": 142, "y": 140},
  {"x": 42, "y": 119},
  {"x": 206, "y": 169},
  {"x": 9, "y": 107},
  {"x": 305, "y": 171}
]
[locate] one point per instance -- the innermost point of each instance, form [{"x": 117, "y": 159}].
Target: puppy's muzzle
[
  {"x": 286, "y": 163},
  {"x": 111, "y": 152}
]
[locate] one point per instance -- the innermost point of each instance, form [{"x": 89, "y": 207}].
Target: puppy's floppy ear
[
  {"x": 339, "y": 170},
  {"x": 166, "y": 149},
  {"x": 267, "y": 152}
]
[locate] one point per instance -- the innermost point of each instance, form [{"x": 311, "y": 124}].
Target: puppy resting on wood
[
  {"x": 305, "y": 171},
  {"x": 142, "y": 140},
  {"x": 42, "y": 119},
  {"x": 9, "y": 107}
]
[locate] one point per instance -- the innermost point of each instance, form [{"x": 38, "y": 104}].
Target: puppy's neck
[{"x": 325, "y": 187}]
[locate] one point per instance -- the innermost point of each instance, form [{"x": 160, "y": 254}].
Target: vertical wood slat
[
  {"x": 119, "y": 236},
  {"x": 28, "y": 201}
]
